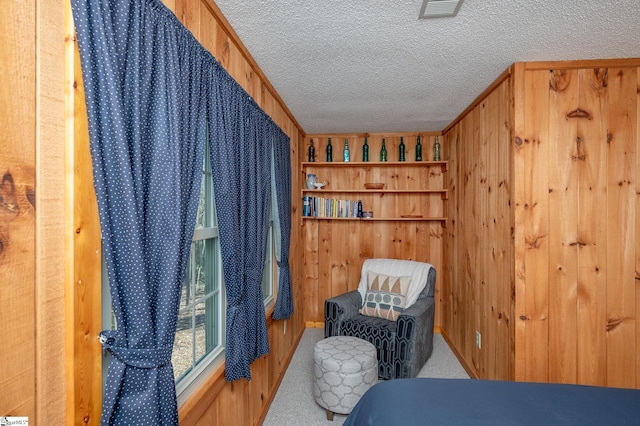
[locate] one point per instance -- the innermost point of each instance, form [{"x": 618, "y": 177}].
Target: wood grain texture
[
  {"x": 50, "y": 213},
  {"x": 84, "y": 273},
  {"x": 431, "y": 178},
  {"x": 517, "y": 182},
  {"x": 32, "y": 211},
  {"x": 489, "y": 320},
  {"x": 591, "y": 298},
  {"x": 567, "y": 292},
  {"x": 449, "y": 278},
  {"x": 18, "y": 123},
  {"x": 563, "y": 233},
  {"x": 478, "y": 253},
  {"x": 505, "y": 265},
  {"x": 637, "y": 275},
  {"x": 536, "y": 225},
  {"x": 621, "y": 243},
  {"x": 591, "y": 247}
]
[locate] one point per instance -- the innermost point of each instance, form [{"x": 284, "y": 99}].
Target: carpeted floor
[{"x": 294, "y": 403}]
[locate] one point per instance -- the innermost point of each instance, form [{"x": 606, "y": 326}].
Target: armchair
[{"x": 404, "y": 345}]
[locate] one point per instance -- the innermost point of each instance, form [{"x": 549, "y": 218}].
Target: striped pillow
[{"x": 386, "y": 296}]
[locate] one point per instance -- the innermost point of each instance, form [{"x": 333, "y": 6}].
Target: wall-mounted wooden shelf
[
  {"x": 318, "y": 192},
  {"x": 443, "y": 164},
  {"x": 356, "y": 173},
  {"x": 442, "y": 220}
]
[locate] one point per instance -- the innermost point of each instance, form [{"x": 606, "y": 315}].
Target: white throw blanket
[{"x": 418, "y": 271}]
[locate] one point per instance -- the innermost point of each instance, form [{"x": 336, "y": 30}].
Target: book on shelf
[
  {"x": 306, "y": 210},
  {"x": 329, "y": 207}
]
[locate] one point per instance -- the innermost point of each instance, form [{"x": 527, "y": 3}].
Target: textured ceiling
[{"x": 346, "y": 66}]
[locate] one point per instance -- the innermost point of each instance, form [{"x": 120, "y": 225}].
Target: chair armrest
[
  {"x": 414, "y": 337},
  {"x": 339, "y": 308},
  {"x": 419, "y": 309}
]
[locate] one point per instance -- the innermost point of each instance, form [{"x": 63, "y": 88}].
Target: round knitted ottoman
[{"x": 345, "y": 368}]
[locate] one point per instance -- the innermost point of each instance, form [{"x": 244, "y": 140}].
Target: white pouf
[{"x": 345, "y": 368}]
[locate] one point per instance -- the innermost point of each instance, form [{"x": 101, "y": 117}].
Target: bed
[{"x": 466, "y": 402}]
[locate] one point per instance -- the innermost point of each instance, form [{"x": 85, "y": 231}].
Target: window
[
  {"x": 108, "y": 317},
  {"x": 268, "y": 275},
  {"x": 200, "y": 332}
]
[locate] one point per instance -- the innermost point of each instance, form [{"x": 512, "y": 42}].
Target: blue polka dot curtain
[
  {"x": 240, "y": 164},
  {"x": 282, "y": 174},
  {"x": 241, "y": 137},
  {"x": 144, "y": 77},
  {"x": 150, "y": 91}
]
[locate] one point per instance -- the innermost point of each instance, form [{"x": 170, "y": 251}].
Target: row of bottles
[{"x": 346, "y": 154}]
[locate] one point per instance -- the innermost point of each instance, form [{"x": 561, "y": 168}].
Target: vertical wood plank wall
[
  {"x": 17, "y": 215},
  {"x": 216, "y": 401},
  {"x": 32, "y": 211},
  {"x": 541, "y": 256},
  {"x": 84, "y": 251},
  {"x": 477, "y": 290},
  {"x": 334, "y": 250},
  {"x": 579, "y": 199}
]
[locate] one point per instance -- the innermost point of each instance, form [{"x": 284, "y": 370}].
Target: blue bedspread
[{"x": 482, "y": 402}]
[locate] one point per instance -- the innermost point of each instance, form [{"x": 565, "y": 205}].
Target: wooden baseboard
[
  {"x": 470, "y": 371},
  {"x": 314, "y": 324}
]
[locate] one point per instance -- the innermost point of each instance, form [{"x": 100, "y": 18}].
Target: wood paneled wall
[
  {"x": 17, "y": 215},
  {"x": 478, "y": 246},
  {"x": 215, "y": 402},
  {"x": 84, "y": 252},
  {"x": 577, "y": 208},
  {"x": 542, "y": 256},
  {"x": 334, "y": 250},
  {"x": 32, "y": 211}
]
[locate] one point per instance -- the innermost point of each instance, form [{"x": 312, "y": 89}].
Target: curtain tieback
[{"x": 140, "y": 358}]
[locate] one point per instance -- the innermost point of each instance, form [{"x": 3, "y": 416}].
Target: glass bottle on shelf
[
  {"x": 365, "y": 151},
  {"x": 346, "y": 156},
  {"x": 329, "y": 151},
  {"x": 401, "y": 147},
  {"x": 311, "y": 157},
  {"x": 383, "y": 152},
  {"x": 436, "y": 150},
  {"x": 418, "y": 150}
]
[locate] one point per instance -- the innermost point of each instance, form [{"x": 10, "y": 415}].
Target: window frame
[
  {"x": 189, "y": 382},
  {"x": 206, "y": 231},
  {"x": 195, "y": 376}
]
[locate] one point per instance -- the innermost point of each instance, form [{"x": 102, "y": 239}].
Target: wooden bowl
[{"x": 374, "y": 185}]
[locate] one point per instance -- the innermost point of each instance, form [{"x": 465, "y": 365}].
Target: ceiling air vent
[{"x": 439, "y": 8}]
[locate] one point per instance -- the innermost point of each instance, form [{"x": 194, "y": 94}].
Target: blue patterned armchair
[{"x": 403, "y": 346}]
